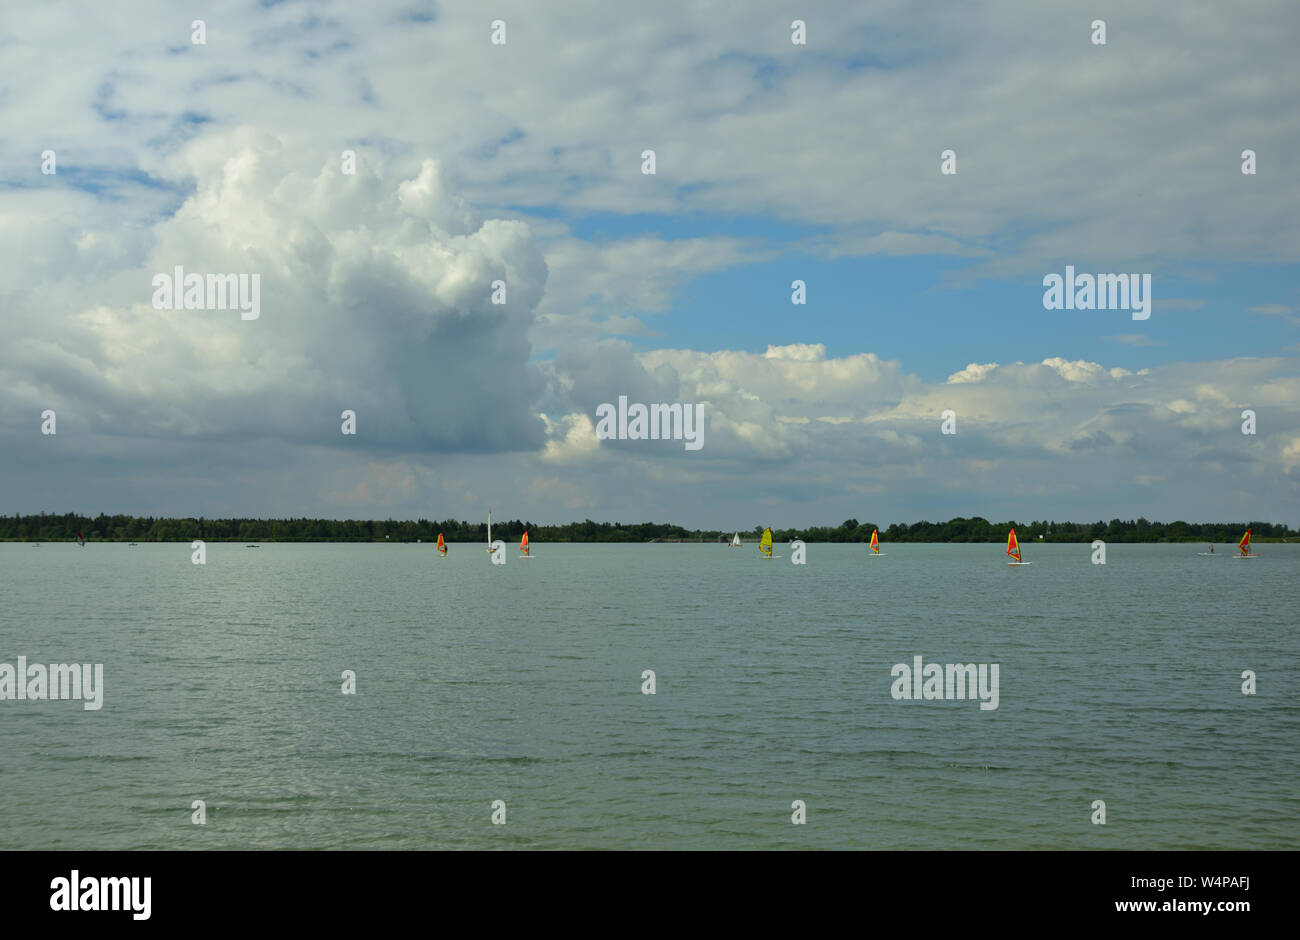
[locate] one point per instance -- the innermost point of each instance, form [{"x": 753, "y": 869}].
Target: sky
[{"x": 379, "y": 166}]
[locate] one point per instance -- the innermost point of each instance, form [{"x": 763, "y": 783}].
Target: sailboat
[
  {"x": 735, "y": 543},
  {"x": 875, "y": 544},
  {"x": 442, "y": 547},
  {"x": 1244, "y": 547},
  {"x": 489, "y": 548},
  {"x": 765, "y": 543},
  {"x": 523, "y": 546},
  {"x": 1013, "y": 549}
]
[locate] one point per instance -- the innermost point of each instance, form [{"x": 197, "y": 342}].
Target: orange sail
[
  {"x": 1244, "y": 544},
  {"x": 442, "y": 546},
  {"x": 875, "y": 541},
  {"x": 1013, "y": 546},
  {"x": 523, "y": 544}
]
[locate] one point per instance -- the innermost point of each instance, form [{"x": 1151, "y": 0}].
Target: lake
[{"x": 523, "y": 683}]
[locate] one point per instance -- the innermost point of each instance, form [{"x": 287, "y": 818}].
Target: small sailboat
[
  {"x": 442, "y": 547},
  {"x": 1013, "y": 549},
  {"x": 735, "y": 542},
  {"x": 523, "y": 546},
  {"x": 875, "y": 544},
  {"x": 1244, "y": 547},
  {"x": 765, "y": 543}
]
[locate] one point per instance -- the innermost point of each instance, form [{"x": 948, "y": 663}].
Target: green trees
[{"x": 48, "y": 527}]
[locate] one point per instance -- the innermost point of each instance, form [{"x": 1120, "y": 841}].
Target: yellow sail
[
  {"x": 1244, "y": 544},
  {"x": 442, "y": 546},
  {"x": 765, "y": 543},
  {"x": 523, "y": 544},
  {"x": 1013, "y": 546},
  {"x": 875, "y": 541}
]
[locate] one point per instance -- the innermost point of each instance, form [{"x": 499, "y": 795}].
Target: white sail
[{"x": 735, "y": 543}]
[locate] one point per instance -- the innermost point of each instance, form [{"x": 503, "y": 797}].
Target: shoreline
[{"x": 1257, "y": 540}]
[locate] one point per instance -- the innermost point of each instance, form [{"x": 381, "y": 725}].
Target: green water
[{"x": 523, "y": 683}]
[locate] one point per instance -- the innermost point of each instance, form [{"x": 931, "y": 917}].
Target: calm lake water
[{"x": 523, "y": 683}]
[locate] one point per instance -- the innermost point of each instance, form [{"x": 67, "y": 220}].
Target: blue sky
[
  {"x": 905, "y": 308},
  {"x": 898, "y": 306},
  {"x": 521, "y": 163}
]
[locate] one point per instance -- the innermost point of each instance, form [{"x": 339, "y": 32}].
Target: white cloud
[
  {"x": 1276, "y": 310},
  {"x": 1164, "y": 304},
  {"x": 1291, "y": 454},
  {"x": 734, "y": 111},
  {"x": 569, "y": 439},
  {"x": 973, "y": 372},
  {"x": 1134, "y": 339},
  {"x": 1062, "y": 431},
  {"x": 375, "y": 296},
  {"x": 593, "y": 288}
]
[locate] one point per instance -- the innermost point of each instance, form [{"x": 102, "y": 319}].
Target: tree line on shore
[{"x": 104, "y": 528}]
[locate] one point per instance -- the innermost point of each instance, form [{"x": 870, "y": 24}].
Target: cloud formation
[
  {"x": 478, "y": 163},
  {"x": 376, "y": 296}
]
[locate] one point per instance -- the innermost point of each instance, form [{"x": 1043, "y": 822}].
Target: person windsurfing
[{"x": 1211, "y": 549}]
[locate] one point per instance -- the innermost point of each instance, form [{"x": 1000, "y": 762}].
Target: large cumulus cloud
[{"x": 376, "y": 295}]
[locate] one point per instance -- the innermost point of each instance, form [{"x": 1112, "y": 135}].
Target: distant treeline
[{"x": 45, "y": 527}]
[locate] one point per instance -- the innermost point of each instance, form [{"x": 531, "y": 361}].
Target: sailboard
[{"x": 1013, "y": 550}]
